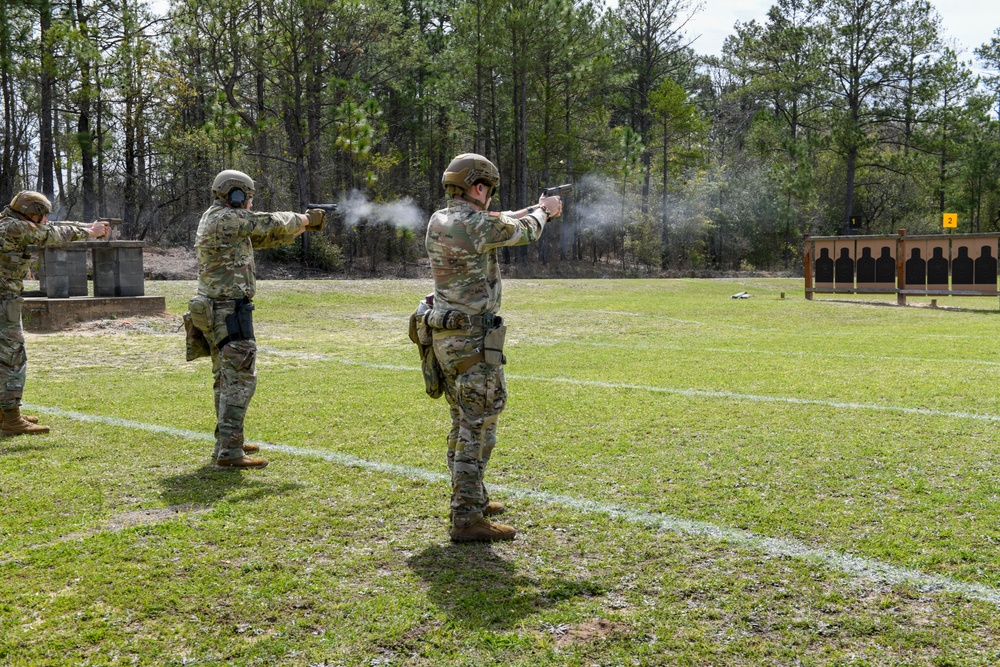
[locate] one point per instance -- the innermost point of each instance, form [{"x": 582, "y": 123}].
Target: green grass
[{"x": 826, "y": 425}]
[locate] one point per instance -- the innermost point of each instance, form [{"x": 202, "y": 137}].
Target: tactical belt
[
  {"x": 486, "y": 321},
  {"x": 464, "y": 321}
]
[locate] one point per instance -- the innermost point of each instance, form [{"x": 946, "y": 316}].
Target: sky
[{"x": 970, "y": 22}]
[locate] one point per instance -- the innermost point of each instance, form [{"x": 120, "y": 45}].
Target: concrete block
[
  {"x": 57, "y": 286},
  {"x": 117, "y": 269}
]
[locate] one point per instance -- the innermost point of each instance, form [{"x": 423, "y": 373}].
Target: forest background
[{"x": 827, "y": 117}]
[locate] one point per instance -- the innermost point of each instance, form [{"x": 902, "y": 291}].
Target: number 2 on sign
[{"x": 950, "y": 220}]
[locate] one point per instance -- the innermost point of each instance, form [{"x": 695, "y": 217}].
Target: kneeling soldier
[
  {"x": 227, "y": 235},
  {"x": 25, "y": 222}
]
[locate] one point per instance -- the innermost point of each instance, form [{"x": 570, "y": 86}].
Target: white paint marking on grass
[
  {"x": 758, "y": 352},
  {"x": 319, "y": 356},
  {"x": 700, "y": 393},
  {"x": 857, "y": 566},
  {"x": 744, "y": 327}
]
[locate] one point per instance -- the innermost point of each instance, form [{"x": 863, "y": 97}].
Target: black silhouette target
[
  {"x": 916, "y": 265},
  {"x": 843, "y": 268},
  {"x": 937, "y": 264},
  {"x": 824, "y": 264},
  {"x": 986, "y": 267},
  {"x": 963, "y": 268}
]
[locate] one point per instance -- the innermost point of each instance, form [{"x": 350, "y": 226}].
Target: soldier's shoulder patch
[{"x": 495, "y": 214}]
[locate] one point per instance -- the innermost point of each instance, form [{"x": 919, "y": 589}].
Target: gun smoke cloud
[
  {"x": 357, "y": 209},
  {"x": 598, "y": 202}
]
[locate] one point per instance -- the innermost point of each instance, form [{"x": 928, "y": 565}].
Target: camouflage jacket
[
  {"x": 16, "y": 235},
  {"x": 462, "y": 243},
  {"x": 225, "y": 243}
]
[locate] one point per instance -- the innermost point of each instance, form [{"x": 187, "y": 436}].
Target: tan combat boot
[
  {"x": 16, "y": 424},
  {"x": 482, "y": 531},
  {"x": 242, "y": 462},
  {"x": 247, "y": 449},
  {"x": 493, "y": 508},
  {"x": 28, "y": 418}
]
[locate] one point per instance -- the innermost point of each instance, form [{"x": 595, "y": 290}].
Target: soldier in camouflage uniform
[
  {"x": 25, "y": 222},
  {"x": 462, "y": 241},
  {"x": 227, "y": 235}
]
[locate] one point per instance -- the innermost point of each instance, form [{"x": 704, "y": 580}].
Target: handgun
[{"x": 558, "y": 191}]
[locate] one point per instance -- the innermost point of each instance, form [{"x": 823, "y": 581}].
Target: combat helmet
[
  {"x": 230, "y": 180},
  {"x": 28, "y": 202},
  {"x": 466, "y": 170}
]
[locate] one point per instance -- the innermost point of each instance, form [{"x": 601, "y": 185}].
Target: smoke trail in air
[
  {"x": 597, "y": 201},
  {"x": 357, "y": 209}
]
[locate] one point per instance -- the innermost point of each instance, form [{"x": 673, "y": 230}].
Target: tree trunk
[
  {"x": 664, "y": 232},
  {"x": 46, "y": 164},
  {"x": 852, "y": 162},
  {"x": 83, "y": 134},
  {"x": 8, "y": 167},
  {"x": 478, "y": 111},
  {"x": 102, "y": 204}
]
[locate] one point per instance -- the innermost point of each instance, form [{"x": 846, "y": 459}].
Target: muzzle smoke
[{"x": 357, "y": 209}]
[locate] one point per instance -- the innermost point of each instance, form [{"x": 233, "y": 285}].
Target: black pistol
[{"x": 558, "y": 191}]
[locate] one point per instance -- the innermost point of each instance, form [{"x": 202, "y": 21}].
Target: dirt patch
[
  {"x": 169, "y": 263},
  {"x": 159, "y": 324},
  {"x": 151, "y": 516},
  {"x": 586, "y": 632},
  {"x": 182, "y": 264},
  {"x": 147, "y": 517},
  {"x": 125, "y": 520}
]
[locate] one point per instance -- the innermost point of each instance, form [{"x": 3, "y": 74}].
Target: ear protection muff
[{"x": 236, "y": 198}]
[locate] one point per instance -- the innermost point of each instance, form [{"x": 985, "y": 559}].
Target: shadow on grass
[
  {"x": 9, "y": 446},
  {"x": 207, "y": 485},
  {"x": 478, "y": 588}
]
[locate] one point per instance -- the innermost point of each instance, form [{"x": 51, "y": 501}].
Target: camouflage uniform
[
  {"x": 225, "y": 243},
  {"x": 16, "y": 234},
  {"x": 461, "y": 243}
]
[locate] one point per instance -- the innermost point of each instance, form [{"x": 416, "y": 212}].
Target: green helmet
[
  {"x": 230, "y": 180},
  {"x": 466, "y": 170},
  {"x": 28, "y": 202}
]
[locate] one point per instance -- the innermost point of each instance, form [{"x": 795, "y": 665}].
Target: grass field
[{"x": 695, "y": 480}]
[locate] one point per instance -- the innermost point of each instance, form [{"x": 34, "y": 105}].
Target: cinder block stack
[
  {"x": 62, "y": 273},
  {"x": 118, "y": 272}
]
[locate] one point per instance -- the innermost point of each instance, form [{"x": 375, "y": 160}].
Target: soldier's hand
[
  {"x": 98, "y": 229},
  {"x": 552, "y": 204},
  {"x": 316, "y": 219}
]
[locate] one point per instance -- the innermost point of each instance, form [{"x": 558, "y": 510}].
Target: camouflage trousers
[
  {"x": 13, "y": 356},
  {"x": 234, "y": 370},
  {"x": 475, "y": 398}
]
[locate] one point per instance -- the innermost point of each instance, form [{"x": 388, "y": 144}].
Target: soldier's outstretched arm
[
  {"x": 552, "y": 204},
  {"x": 57, "y": 233},
  {"x": 499, "y": 229},
  {"x": 268, "y": 230}
]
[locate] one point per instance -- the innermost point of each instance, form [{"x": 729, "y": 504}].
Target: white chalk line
[
  {"x": 857, "y": 566},
  {"x": 746, "y": 327},
  {"x": 698, "y": 393},
  {"x": 759, "y": 352}
]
